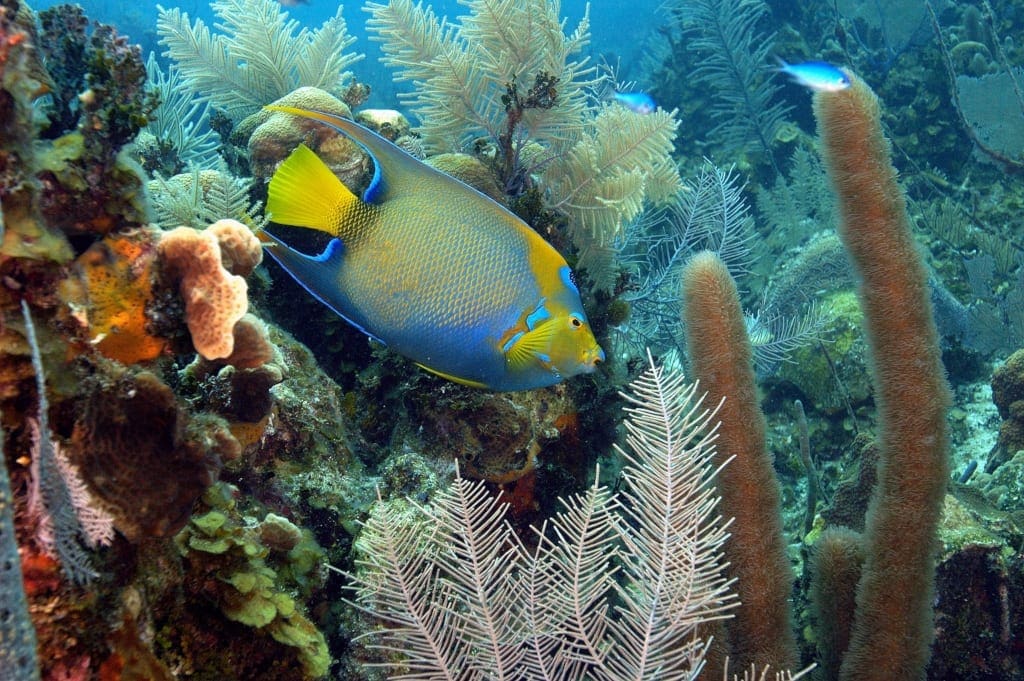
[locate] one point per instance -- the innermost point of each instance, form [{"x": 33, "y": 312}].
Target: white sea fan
[
  {"x": 260, "y": 56},
  {"x": 463, "y": 598}
]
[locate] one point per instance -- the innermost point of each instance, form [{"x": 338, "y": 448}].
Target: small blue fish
[
  {"x": 637, "y": 102},
  {"x": 819, "y": 76}
]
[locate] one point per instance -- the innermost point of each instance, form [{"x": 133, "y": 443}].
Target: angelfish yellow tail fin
[{"x": 305, "y": 193}]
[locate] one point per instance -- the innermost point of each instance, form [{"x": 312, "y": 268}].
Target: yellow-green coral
[{"x": 259, "y": 583}]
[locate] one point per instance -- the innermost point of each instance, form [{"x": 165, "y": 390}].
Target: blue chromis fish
[
  {"x": 819, "y": 76},
  {"x": 637, "y": 102},
  {"x": 432, "y": 268}
]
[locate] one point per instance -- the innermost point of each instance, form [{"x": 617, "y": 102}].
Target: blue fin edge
[{"x": 331, "y": 255}]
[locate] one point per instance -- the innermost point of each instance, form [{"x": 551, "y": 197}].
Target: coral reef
[
  {"x": 388, "y": 123},
  {"x": 131, "y": 421},
  {"x": 250, "y": 578},
  {"x": 17, "y": 635},
  {"x": 500, "y": 609},
  {"x": 1008, "y": 396},
  {"x": 496, "y": 437},
  {"x": 201, "y": 197},
  {"x": 731, "y": 48},
  {"x": 515, "y": 77},
  {"x": 89, "y": 183},
  {"x": 836, "y": 377},
  {"x": 463, "y": 73},
  {"x": 214, "y": 466},
  {"x": 177, "y": 135},
  {"x": 117, "y": 276},
  {"x": 275, "y": 134}
]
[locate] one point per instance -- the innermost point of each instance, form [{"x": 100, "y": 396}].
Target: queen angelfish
[{"x": 432, "y": 268}]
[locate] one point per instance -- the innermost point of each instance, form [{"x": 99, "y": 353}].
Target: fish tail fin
[{"x": 305, "y": 193}]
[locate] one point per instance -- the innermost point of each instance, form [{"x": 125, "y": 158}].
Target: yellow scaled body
[{"x": 432, "y": 268}]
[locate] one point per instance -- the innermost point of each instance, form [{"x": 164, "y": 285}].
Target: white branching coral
[
  {"x": 260, "y": 56},
  {"x": 463, "y": 598},
  {"x": 508, "y": 72}
]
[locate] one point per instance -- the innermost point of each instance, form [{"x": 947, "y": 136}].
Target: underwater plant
[
  {"x": 260, "y": 56},
  {"x": 67, "y": 518},
  {"x": 177, "y": 136},
  {"x": 509, "y": 73},
  {"x": 711, "y": 214},
  {"x": 890, "y": 638},
  {"x": 200, "y": 197},
  {"x": 621, "y": 163},
  {"x": 733, "y": 57},
  {"x": 467, "y": 76},
  {"x": 464, "y": 598}
]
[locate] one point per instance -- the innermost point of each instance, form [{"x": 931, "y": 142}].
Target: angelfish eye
[{"x": 576, "y": 321}]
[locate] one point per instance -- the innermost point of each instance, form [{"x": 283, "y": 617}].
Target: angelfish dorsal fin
[{"x": 393, "y": 168}]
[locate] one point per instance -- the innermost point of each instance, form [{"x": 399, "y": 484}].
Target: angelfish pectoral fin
[{"x": 524, "y": 349}]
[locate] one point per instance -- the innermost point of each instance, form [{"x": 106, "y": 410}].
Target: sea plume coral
[
  {"x": 508, "y": 72},
  {"x": 621, "y": 161},
  {"x": 260, "y": 56},
  {"x": 463, "y": 597},
  {"x": 462, "y": 72},
  {"x": 197, "y": 198}
]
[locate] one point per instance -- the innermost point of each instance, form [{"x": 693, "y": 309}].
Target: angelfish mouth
[{"x": 594, "y": 358}]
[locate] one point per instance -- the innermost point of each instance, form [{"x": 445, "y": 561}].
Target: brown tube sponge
[
  {"x": 836, "y": 568},
  {"x": 722, "y": 360},
  {"x": 892, "y": 628}
]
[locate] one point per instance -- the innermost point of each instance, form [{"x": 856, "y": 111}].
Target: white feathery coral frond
[
  {"x": 462, "y": 598},
  {"x": 258, "y": 56}
]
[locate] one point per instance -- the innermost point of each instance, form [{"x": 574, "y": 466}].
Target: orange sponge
[
  {"x": 116, "y": 274},
  {"x": 240, "y": 250}
]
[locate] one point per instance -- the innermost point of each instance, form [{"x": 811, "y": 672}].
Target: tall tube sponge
[
  {"x": 721, "y": 357},
  {"x": 892, "y": 627}
]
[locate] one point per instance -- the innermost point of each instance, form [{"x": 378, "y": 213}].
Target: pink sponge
[{"x": 214, "y": 298}]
